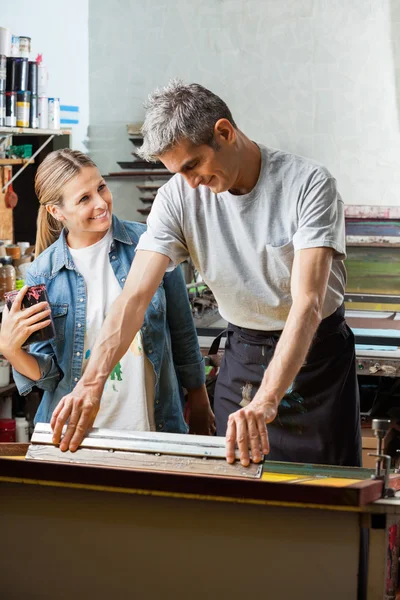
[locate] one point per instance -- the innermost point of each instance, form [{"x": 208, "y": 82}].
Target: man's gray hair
[{"x": 180, "y": 111}]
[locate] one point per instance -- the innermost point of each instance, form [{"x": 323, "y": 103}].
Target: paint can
[
  {"x": 33, "y": 112},
  {"x": 24, "y": 46},
  {"x": 43, "y": 112},
  {"x": 2, "y": 109},
  {"x": 10, "y": 78},
  {"x": 42, "y": 80},
  {"x": 23, "y": 108},
  {"x": 5, "y": 41},
  {"x": 54, "y": 113},
  {"x": 11, "y": 109},
  {"x": 21, "y": 74},
  {"x": 33, "y": 77},
  {"x": 14, "y": 51}
]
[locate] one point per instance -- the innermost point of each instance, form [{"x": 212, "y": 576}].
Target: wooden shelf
[
  {"x": 135, "y": 173},
  {"x": 29, "y": 131},
  {"x": 5, "y": 162},
  {"x": 7, "y": 389}
]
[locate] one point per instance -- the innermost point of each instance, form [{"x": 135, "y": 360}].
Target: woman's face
[{"x": 86, "y": 209}]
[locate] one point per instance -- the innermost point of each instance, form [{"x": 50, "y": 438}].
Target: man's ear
[{"x": 224, "y": 131}]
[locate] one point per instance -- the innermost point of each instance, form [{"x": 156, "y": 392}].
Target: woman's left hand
[{"x": 198, "y": 413}]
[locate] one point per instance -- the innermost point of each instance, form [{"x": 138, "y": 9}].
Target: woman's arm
[
  {"x": 17, "y": 325},
  {"x": 36, "y": 367}
]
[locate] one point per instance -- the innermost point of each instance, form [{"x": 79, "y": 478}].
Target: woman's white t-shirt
[{"x": 128, "y": 398}]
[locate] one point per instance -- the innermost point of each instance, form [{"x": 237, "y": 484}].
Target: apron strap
[{"x": 215, "y": 345}]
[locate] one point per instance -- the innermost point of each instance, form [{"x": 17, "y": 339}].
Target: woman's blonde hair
[{"x": 57, "y": 169}]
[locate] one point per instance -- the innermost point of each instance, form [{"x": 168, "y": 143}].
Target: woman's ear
[{"x": 55, "y": 212}]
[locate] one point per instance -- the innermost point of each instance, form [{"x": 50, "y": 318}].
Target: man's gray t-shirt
[{"x": 244, "y": 246}]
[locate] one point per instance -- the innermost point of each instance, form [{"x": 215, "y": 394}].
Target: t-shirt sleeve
[
  {"x": 164, "y": 232},
  {"x": 321, "y": 217}
]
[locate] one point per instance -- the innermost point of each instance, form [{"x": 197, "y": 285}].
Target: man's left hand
[
  {"x": 198, "y": 413},
  {"x": 248, "y": 427}
]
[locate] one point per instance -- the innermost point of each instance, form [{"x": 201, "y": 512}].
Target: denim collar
[{"x": 63, "y": 256}]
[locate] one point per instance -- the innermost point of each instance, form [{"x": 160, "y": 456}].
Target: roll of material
[
  {"x": 5, "y": 41},
  {"x": 21, "y": 74},
  {"x": 11, "y": 74},
  {"x": 33, "y": 77}
]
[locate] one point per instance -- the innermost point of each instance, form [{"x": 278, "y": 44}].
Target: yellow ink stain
[{"x": 332, "y": 481}]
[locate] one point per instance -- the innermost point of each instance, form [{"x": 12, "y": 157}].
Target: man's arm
[
  {"x": 119, "y": 329},
  {"x": 310, "y": 274}
]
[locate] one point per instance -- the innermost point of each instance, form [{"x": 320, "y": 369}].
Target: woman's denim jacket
[{"x": 169, "y": 335}]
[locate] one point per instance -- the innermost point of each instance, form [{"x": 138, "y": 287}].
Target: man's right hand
[{"x": 79, "y": 408}]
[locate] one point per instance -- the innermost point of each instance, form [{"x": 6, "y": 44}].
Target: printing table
[{"x": 87, "y": 529}]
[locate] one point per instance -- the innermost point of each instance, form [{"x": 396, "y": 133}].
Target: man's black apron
[{"x": 318, "y": 419}]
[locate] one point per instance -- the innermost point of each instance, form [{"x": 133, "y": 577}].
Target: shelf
[
  {"x": 5, "y": 162},
  {"x": 11, "y": 387},
  {"x": 29, "y": 131},
  {"x": 135, "y": 173}
]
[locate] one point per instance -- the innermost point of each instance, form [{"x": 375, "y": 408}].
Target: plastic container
[
  {"x": 7, "y": 280},
  {"x": 54, "y": 113},
  {"x": 5, "y": 41},
  {"x": 4, "y": 372},
  {"x": 43, "y": 112},
  {"x": 7, "y": 430},
  {"x": 24, "y": 46},
  {"x": 14, "y": 45},
  {"x": 23, "y": 246},
  {"x": 13, "y": 250},
  {"x": 21, "y": 430},
  {"x": 6, "y": 260},
  {"x": 42, "y": 80},
  {"x": 34, "y": 295}
]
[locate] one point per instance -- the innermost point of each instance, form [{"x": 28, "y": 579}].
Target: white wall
[
  {"x": 314, "y": 77},
  {"x": 60, "y": 32}
]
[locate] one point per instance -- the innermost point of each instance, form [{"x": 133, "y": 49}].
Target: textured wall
[
  {"x": 59, "y": 31},
  {"x": 315, "y": 77}
]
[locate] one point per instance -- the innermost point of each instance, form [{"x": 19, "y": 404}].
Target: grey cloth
[{"x": 244, "y": 246}]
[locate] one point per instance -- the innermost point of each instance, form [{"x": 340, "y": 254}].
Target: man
[{"x": 266, "y": 231}]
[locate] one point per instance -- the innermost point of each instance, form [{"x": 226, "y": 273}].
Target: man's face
[{"x": 203, "y": 165}]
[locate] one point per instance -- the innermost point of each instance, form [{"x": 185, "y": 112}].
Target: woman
[{"x": 83, "y": 256}]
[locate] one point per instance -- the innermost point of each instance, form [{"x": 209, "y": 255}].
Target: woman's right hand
[{"x": 18, "y": 324}]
